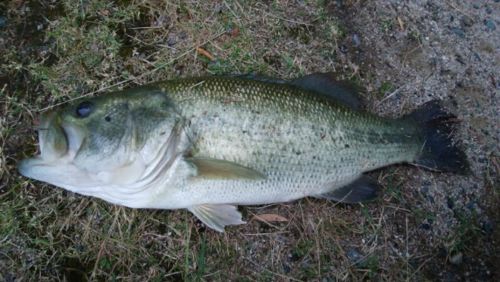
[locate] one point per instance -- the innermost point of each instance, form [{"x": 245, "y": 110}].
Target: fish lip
[
  {"x": 47, "y": 156},
  {"x": 50, "y": 122},
  {"x": 26, "y": 167}
]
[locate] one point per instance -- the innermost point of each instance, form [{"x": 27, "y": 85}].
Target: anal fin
[
  {"x": 361, "y": 190},
  {"x": 217, "y": 216}
]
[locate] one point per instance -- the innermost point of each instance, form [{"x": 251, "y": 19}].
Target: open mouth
[
  {"x": 52, "y": 138},
  {"x": 58, "y": 143}
]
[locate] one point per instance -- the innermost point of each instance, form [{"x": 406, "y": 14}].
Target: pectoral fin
[
  {"x": 220, "y": 169},
  {"x": 361, "y": 190},
  {"x": 217, "y": 216}
]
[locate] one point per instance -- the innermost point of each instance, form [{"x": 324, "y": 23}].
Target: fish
[{"x": 210, "y": 144}]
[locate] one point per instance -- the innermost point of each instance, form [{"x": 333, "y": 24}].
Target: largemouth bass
[{"x": 209, "y": 144}]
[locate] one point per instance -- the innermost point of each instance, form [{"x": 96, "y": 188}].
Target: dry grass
[{"x": 57, "y": 51}]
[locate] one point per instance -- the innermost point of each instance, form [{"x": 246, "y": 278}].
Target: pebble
[
  {"x": 450, "y": 203},
  {"x": 488, "y": 226},
  {"x": 171, "y": 40},
  {"x": 458, "y": 31},
  {"x": 286, "y": 268},
  {"x": 355, "y": 40},
  {"x": 354, "y": 255},
  {"x": 490, "y": 25},
  {"x": 471, "y": 206},
  {"x": 425, "y": 226},
  {"x": 343, "y": 48},
  {"x": 457, "y": 258},
  {"x": 466, "y": 22}
]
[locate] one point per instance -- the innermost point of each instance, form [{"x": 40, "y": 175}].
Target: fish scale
[{"x": 305, "y": 145}]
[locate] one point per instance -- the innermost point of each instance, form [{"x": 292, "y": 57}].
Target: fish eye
[{"x": 84, "y": 109}]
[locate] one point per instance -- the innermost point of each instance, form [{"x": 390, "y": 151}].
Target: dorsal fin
[
  {"x": 259, "y": 77},
  {"x": 326, "y": 85}
]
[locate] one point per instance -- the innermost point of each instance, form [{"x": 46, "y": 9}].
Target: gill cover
[{"x": 113, "y": 147}]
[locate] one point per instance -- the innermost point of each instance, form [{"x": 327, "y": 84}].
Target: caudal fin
[{"x": 439, "y": 152}]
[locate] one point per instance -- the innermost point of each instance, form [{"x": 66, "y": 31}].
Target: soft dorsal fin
[
  {"x": 220, "y": 169},
  {"x": 361, "y": 190},
  {"x": 217, "y": 216},
  {"x": 325, "y": 84}
]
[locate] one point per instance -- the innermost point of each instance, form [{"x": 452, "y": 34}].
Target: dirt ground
[{"x": 425, "y": 226}]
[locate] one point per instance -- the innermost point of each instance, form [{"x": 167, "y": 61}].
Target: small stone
[
  {"x": 490, "y": 25},
  {"x": 458, "y": 31},
  {"x": 354, "y": 255},
  {"x": 488, "y": 227},
  {"x": 286, "y": 268},
  {"x": 471, "y": 206},
  {"x": 457, "y": 258},
  {"x": 460, "y": 59},
  {"x": 442, "y": 253},
  {"x": 425, "y": 226},
  {"x": 355, "y": 40},
  {"x": 343, "y": 48},
  {"x": 466, "y": 22},
  {"x": 219, "y": 8},
  {"x": 182, "y": 35},
  {"x": 450, "y": 203},
  {"x": 171, "y": 40},
  {"x": 475, "y": 6}
]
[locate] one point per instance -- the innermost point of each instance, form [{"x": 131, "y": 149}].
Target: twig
[
  {"x": 193, "y": 48},
  {"x": 389, "y": 96},
  {"x": 283, "y": 19},
  {"x": 146, "y": 27}
]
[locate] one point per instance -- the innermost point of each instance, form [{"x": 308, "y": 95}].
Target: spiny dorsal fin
[
  {"x": 259, "y": 77},
  {"x": 362, "y": 189},
  {"x": 217, "y": 216},
  {"x": 326, "y": 85},
  {"x": 220, "y": 169}
]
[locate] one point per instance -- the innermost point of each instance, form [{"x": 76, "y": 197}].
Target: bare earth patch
[{"x": 425, "y": 226}]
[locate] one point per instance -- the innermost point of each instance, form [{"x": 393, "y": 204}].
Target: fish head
[{"x": 101, "y": 142}]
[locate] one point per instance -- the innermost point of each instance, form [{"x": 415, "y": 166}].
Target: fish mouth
[{"x": 58, "y": 143}]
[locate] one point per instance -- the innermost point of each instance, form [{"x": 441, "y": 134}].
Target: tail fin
[{"x": 439, "y": 152}]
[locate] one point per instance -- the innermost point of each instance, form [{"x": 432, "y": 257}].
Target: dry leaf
[
  {"x": 235, "y": 32},
  {"x": 205, "y": 53}
]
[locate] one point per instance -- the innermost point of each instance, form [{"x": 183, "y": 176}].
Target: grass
[{"x": 86, "y": 46}]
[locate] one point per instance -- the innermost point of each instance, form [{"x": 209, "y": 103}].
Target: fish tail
[{"x": 439, "y": 152}]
